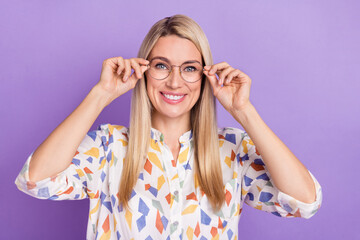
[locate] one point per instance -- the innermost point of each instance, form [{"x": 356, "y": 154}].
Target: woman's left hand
[{"x": 232, "y": 88}]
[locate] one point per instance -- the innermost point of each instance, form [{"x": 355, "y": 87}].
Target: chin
[{"x": 174, "y": 114}]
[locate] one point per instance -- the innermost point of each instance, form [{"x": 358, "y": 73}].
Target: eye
[
  {"x": 160, "y": 66},
  {"x": 190, "y": 69}
]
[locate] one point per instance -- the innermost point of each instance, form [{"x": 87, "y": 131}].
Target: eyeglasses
[{"x": 190, "y": 71}]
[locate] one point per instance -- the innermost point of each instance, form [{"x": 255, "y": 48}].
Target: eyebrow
[{"x": 168, "y": 61}]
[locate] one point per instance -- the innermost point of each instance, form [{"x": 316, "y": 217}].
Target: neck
[{"x": 171, "y": 128}]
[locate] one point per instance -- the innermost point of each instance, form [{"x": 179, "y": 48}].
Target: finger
[
  {"x": 218, "y": 67},
  {"x": 213, "y": 81},
  {"x": 127, "y": 70},
  {"x": 136, "y": 68},
  {"x": 212, "y": 78},
  {"x": 142, "y": 61},
  {"x": 207, "y": 70},
  {"x": 231, "y": 75},
  {"x": 144, "y": 69},
  {"x": 121, "y": 65},
  {"x": 224, "y": 74},
  {"x": 213, "y": 70},
  {"x": 109, "y": 64},
  {"x": 243, "y": 77},
  {"x": 133, "y": 80}
]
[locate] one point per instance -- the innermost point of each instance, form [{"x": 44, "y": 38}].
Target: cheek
[
  {"x": 197, "y": 90},
  {"x": 151, "y": 88},
  {"x": 149, "y": 85}
]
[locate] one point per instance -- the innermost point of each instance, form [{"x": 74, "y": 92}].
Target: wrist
[
  {"x": 245, "y": 114},
  {"x": 100, "y": 96}
]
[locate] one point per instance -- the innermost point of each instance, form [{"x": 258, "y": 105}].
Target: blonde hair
[{"x": 207, "y": 168}]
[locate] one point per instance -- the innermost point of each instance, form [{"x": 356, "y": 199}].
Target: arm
[
  {"x": 80, "y": 179},
  {"x": 232, "y": 89},
  {"x": 288, "y": 173},
  {"x": 56, "y": 153},
  {"x": 258, "y": 189},
  {"x": 68, "y": 164}
]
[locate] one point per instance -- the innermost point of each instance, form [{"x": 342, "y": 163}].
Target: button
[
  {"x": 176, "y": 223},
  {"x": 176, "y": 192}
]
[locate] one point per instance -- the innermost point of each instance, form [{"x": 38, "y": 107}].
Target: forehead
[{"x": 176, "y": 49}]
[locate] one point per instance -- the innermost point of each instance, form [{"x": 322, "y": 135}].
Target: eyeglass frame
[{"x": 172, "y": 67}]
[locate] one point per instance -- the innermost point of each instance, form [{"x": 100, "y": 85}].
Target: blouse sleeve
[
  {"x": 259, "y": 191},
  {"x": 79, "y": 180}
]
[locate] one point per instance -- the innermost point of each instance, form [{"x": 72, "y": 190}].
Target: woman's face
[{"x": 173, "y": 97}]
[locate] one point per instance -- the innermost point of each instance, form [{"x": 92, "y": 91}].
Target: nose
[{"x": 174, "y": 80}]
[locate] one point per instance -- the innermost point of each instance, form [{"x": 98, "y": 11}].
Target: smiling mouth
[{"x": 172, "y": 97}]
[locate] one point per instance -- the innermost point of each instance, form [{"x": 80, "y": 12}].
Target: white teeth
[{"x": 173, "y": 97}]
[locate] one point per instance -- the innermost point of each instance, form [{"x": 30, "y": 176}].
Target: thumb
[
  {"x": 144, "y": 68},
  {"x": 214, "y": 82},
  {"x": 133, "y": 79}
]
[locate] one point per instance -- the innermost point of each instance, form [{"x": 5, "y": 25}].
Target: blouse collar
[{"x": 158, "y": 136}]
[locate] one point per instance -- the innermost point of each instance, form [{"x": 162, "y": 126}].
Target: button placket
[
  {"x": 175, "y": 175},
  {"x": 181, "y": 168},
  {"x": 175, "y": 210},
  {"x": 176, "y": 206},
  {"x": 182, "y": 173}
]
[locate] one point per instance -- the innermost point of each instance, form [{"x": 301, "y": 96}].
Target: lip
[{"x": 172, "y": 101}]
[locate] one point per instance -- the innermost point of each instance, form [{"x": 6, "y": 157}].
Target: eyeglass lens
[{"x": 191, "y": 72}]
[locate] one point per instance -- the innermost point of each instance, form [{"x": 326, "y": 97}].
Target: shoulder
[
  {"x": 112, "y": 133},
  {"x": 112, "y": 128},
  {"x": 235, "y": 139},
  {"x": 231, "y": 135}
]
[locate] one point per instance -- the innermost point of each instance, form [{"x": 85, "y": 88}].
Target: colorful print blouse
[{"x": 166, "y": 202}]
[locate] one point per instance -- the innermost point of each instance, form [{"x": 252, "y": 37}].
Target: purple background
[{"x": 303, "y": 58}]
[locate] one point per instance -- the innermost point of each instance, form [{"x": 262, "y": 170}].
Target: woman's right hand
[{"x": 115, "y": 77}]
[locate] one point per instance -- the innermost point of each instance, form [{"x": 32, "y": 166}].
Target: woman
[{"x": 173, "y": 173}]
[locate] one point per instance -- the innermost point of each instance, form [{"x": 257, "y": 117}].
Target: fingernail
[{"x": 126, "y": 78}]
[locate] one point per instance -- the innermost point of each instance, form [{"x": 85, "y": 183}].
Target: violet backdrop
[{"x": 302, "y": 57}]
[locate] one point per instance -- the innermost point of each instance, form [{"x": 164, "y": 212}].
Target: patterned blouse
[{"x": 166, "y": 202}]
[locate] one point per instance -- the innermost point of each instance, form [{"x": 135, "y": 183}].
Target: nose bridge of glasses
[{"x": 172, "y": 67}]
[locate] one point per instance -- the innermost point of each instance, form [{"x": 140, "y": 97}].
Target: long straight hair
[{"x": 208, "y": 174}]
